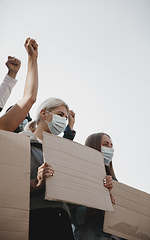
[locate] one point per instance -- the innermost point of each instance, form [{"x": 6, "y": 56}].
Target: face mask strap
[
  {"x": 46, "y": 121},
  {"x": 48, "y": 111}
]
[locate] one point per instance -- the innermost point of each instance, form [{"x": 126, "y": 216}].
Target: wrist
[
  {"x": 11, "y": 74},
  {"x": 71, "y": 127},
  {"x": 32, "y": 58}
]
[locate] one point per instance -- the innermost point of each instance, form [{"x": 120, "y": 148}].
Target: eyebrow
[{"x": 62, "y": 114}]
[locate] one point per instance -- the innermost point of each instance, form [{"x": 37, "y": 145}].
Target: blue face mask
[
  {"x": 107, "y": 154},
  {"x": 57, "y": 125}
]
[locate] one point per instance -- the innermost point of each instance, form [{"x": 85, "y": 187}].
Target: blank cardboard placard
[
  {"x": 14, "y": 186},
  {"x": 79, "y": 173},
  {"x": 131, "y": 217}
]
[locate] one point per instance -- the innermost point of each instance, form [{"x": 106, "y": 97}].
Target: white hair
[
  {"x": 30, "y": 126},
  {"x": 48, "y": 104}
]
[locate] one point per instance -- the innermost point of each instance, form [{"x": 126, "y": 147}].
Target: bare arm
[
  {"x": 11, "y": 120},
  {"x": 31, "y": 84}
]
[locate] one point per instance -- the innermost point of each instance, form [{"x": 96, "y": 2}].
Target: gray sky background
[{"x": 95, "y": 55}]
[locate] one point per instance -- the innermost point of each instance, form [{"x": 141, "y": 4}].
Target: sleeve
[
  {"x": 68, "y": 133},
  {"x": 78, "y": 215},
  {"x": 5, "y": 90}
]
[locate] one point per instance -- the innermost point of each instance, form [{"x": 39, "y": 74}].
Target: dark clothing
[
  {"x": 90, "y": 228},
  {"x": 50, "y": 224},
  {"x": 68, "y": 133}
]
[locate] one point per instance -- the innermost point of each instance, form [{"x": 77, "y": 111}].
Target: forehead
[
  {"x": 60, "y": 109},
  {"x": 105, "y": 138}
]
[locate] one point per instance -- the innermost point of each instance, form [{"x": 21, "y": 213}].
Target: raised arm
[
  {"x": 13, "y": 64},
  {"x": 69, "y": 133},
  {"x": 11, "y": 120},
  {"x": 31, "y": 85}
]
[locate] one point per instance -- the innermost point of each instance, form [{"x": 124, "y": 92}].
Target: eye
[
  {"x": 60, "y": 114},
  {"x": 104, "y": 144}
]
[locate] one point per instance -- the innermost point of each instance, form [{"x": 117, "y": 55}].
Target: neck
[
  {"x": 42, "y": 126},
  {"x": 38, "y": 134}
]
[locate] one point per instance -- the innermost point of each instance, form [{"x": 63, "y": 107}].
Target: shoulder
[
  {"x": 27, "y": 133},
  {"x": 33, "y": 140}
]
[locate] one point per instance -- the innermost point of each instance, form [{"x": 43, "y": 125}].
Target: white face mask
[
  {"x": 107, "y": 154},
  {"x": 57, "y": 125}
]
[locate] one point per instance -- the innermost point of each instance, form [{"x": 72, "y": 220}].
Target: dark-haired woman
[{"x": 88, "y": 222}]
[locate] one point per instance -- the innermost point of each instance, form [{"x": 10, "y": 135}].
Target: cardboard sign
[
  {"x": 79, "y": 173},
  {"x": 14, "y": 186},
  {"x": 131, "y": 217}
]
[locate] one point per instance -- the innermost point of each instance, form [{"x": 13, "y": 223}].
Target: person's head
[
  {"x": 97, "y": 140},
  {"x": 52, "y": 115},
  {"x": 103, "y": 143}
]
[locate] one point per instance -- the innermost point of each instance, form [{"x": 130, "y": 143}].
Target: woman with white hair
[{"x": 48, "y": 219}]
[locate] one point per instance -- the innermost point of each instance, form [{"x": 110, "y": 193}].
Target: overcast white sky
[{"x": 95, "y": 55}]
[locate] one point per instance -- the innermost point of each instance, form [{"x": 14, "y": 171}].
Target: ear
[{"x": 43, "y": 114}]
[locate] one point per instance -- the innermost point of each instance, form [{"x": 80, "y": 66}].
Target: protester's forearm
[{"x": 31, "y": 85}]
